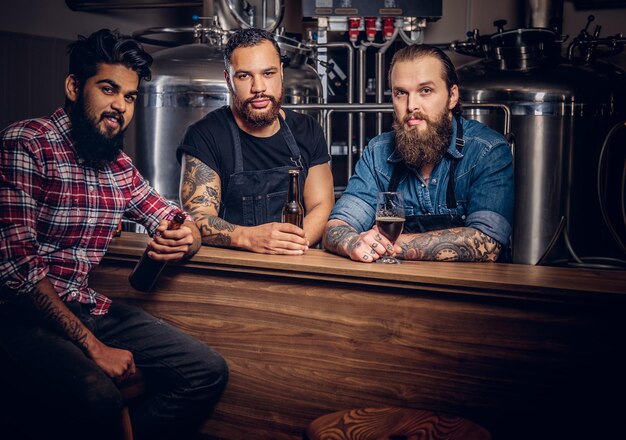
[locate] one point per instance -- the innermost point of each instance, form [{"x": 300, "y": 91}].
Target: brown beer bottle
[
  {"x": 147, "y": 270},
  {"x": 292, "y": 210}
]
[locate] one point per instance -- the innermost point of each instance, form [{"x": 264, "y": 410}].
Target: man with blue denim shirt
[{"x": 456, "y": 175}]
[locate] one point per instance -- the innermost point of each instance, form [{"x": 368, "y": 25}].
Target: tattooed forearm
[
  {"x": 457, "y": 244},
  {"x": 341, "y": 239},
  {"x": 215, "y": 231},
  {"x": 53, "y": 311}
]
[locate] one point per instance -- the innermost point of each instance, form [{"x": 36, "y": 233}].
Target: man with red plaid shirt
[{"x": 64, "y": 186}]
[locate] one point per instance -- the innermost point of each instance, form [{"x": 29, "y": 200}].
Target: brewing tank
[
  {"x": 187, "y": 83},
  {"x": 560, "y": 114}
]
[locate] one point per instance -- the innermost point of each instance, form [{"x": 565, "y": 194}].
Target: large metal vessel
[
  {"x": 561, "y": 112},
  {"x": 187, "y": 83}
]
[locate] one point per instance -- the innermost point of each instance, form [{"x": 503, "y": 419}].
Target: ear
[
  {"x": 227, "y": 78},
  {"x": 71, "y": 88},
  {"x": 454, "y": 96}
]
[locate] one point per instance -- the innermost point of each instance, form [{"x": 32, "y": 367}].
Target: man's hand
[
  {"x": 370, "y": 245},
  {"x": 44, "y": 299},
  {"x": 366, "y": 247},
  {"x": 174, "y": 245},
  {"x": 118, "y": 364},
  {"x": 274, "y": 238}
]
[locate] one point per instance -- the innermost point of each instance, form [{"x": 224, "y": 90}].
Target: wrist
[{"x": 239, "y": 237}]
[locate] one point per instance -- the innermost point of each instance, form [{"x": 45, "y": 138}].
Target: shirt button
[
  {"x": 91, "y": 188},
  {"x": 90, "y": 220},
  {"x": 434, "y": 180}
]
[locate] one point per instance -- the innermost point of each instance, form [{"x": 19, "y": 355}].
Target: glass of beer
[{"x": 390, "y": 219}]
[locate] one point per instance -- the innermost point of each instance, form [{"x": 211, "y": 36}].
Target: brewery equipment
[{"x": 561, "y": 111}]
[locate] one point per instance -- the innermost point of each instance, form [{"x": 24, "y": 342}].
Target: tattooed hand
[{"x": 367, "y": 246}]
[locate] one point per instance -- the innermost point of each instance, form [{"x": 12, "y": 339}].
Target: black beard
[
  {"x": 418, "y": 148},
  {"x": 96, "y": 149},
  {"x": 254, "y": 119}
]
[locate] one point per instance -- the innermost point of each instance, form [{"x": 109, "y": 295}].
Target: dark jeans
[{"x": 62, "y": 389}]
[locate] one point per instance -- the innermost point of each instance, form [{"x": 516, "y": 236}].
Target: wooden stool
[
  {"x": 131, "y": 388},
  {"x": 393, "y": 424}
]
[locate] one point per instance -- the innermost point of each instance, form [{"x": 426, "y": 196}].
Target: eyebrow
[
  {"x": 116, "y": 86},
  {"x": 265, "y": 69}
]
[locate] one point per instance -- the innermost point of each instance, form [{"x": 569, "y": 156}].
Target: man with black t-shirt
[{"x": 236, "y": 160}]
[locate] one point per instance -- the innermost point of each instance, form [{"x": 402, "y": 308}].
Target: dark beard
[
  {"x": 96, "y": 149},
  {"x": 418, "y": 148},
  {"x": 257, "y": 120}
]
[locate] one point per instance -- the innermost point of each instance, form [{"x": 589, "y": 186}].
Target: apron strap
[
  {"x": 234, "y": 130},
  {"x": 399, "y": 170},
  {"x": 459, "y": 143},
  {"x": 296, "y": 157}
]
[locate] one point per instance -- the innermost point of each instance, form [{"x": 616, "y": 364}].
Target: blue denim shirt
[{"x": 484, "y": 183}]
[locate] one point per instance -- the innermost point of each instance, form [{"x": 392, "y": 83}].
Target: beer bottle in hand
[
  {"x": 147, "y": 270},
  {"x": 292, "y": 211}
]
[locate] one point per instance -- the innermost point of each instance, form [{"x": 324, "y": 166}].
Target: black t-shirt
[{"x": 211, "y": 141}]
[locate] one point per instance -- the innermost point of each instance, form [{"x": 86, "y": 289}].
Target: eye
[
  {"x": 399, "y": 93},
  {"x": 269, "y": 74},
  {"x": 426, "y": 90},
  {"x": 130, "y": 98},
  {"x": 107, "y": 90},
  {"x": 241, "y": 75}
]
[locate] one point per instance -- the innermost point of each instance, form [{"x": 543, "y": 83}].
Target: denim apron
[
  {"x": 257, "y": 197},
  {"x": 424, "y": 223}
]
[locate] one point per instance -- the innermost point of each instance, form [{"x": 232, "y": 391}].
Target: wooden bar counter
[{"x": 526, "y": 351}]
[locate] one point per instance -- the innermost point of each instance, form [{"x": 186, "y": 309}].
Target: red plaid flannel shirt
[{"x": 58, "y": 217}]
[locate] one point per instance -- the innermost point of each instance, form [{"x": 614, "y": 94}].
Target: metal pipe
[
  {"x": 380, "y": 73},
  {"x": 329, "y": 109},
  {"x": 350, "y": 86},
  {"x": 264, "y": 13},
  {"x": 361, "y": 98},
  {"x": 208, "y": 8},
  {"x": 380, "y": 87}
]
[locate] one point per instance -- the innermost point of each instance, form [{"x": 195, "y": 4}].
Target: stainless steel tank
[
  {"x": 561, "y": 112},
  {"x": 187, "y": 83}
]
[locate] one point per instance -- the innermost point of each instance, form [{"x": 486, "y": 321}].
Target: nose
[
  {"x": 258, "y": 84},
  {"x": 412, "y": 102},
  {"x": 119, "y": 103}
]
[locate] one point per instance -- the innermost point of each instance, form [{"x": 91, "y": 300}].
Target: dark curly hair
[
  {"x": 247, "y": 38},
  {"x": 107, "y": 47}
]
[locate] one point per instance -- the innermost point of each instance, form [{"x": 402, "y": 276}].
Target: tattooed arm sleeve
[
  {"x": 200, "y": 194},
  {"x": 340, "y": 238},
  {"x": 456, "y": 244}
]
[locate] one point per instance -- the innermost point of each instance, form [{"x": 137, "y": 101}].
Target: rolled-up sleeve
[
  {"x": 356, "y": 206},
  {"x": 20, "y": 184},
  {"x": 147, "y": 207},
  {"x": 492, "y": 194}
]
